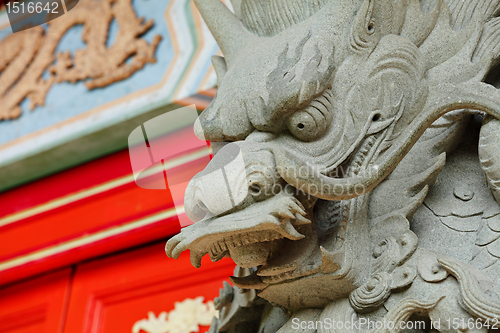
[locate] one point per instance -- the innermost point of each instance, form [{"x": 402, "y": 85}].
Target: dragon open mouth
[
  {"x": 238, "y": 243},
  {"x": 264, "y": 223}
]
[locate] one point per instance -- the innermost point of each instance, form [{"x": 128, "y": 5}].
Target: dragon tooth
[
  {"x": 222, "y": 245},
  {"x": 245, "y": 240},
  {"x": 230, "y": 242},
  {"x": 252, "y": 281},
  {"x": 285, "y": 213},
  {"x": 295, "y": 207},
  {"x": 217, "y": 248},
  {"x": 196, "y": 257},
  {"x": 332, "y": 261},
  {"x": 214, "y": 257},
  {"x": 301, "y": 220},
  {"x": 297, "y": 201},
  {"x": 287, "y": 230},
  {"x": 251, "y": 239},
  {"x": 255, "y": 237},
  {"x": 237, "y": 240},
  {"x": 211, "y": 250}
]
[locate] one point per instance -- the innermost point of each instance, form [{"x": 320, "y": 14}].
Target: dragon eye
[
  {"x": 303, "y": 126},
  {"x": 311, "y": 123}
]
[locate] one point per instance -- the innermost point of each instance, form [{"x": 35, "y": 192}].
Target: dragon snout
[
  {"x": 195, "y": 208},
  {"x": 233, "y": 179}
]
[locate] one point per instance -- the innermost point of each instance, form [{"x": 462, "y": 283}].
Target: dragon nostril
[
  {"x": 376, "y": 117},
  {"x": 202, "y": 206},
  {"x": 255, "y": 189},
  {"x": 300, "y": 126}
]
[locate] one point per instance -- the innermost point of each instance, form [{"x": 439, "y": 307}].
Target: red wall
[
  {"x": 109, "y": 295},
  {"x": 83, "y": 251}
]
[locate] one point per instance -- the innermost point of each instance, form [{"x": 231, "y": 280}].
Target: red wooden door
[
  {"x": 35, "y": 306},
  {"x": 112, "y": 294}
]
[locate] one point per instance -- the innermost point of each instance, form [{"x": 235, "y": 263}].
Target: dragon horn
[{"x": 226, "y": 28}]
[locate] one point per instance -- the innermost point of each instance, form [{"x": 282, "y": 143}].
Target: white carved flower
[
  {"x": 186, "y": 317},
  {"x": 152, "y": 324},
  {"x": 190, "y": 313}
]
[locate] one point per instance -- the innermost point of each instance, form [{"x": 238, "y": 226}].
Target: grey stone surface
[{"x": 354, "y": 189}]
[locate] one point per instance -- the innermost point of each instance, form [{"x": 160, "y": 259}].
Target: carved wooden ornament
[{"x": 27, "y": 55}]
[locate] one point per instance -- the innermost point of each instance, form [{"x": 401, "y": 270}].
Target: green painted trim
[{"x": 76, "y": 152}]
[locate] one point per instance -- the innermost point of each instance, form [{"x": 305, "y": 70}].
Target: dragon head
[{"x": 317, "y": 110}]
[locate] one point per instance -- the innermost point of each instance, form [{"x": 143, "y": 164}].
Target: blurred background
[{"x": 81, "y": 245}]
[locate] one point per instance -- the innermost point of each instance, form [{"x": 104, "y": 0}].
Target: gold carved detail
[{"x": 26, "y": 55}]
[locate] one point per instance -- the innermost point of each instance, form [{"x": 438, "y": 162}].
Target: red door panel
[
  {"x": 111, "y": 294},
  {"x": 91, "y": 210},
  {"x": 35, "y": 306}
]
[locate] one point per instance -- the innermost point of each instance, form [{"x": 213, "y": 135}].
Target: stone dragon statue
[{"x": 356, "y": 182}]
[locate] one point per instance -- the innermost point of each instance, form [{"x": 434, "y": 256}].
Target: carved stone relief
[
  {"x": 344, "y": 196},
  {"x": 27, "y": 55}
]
